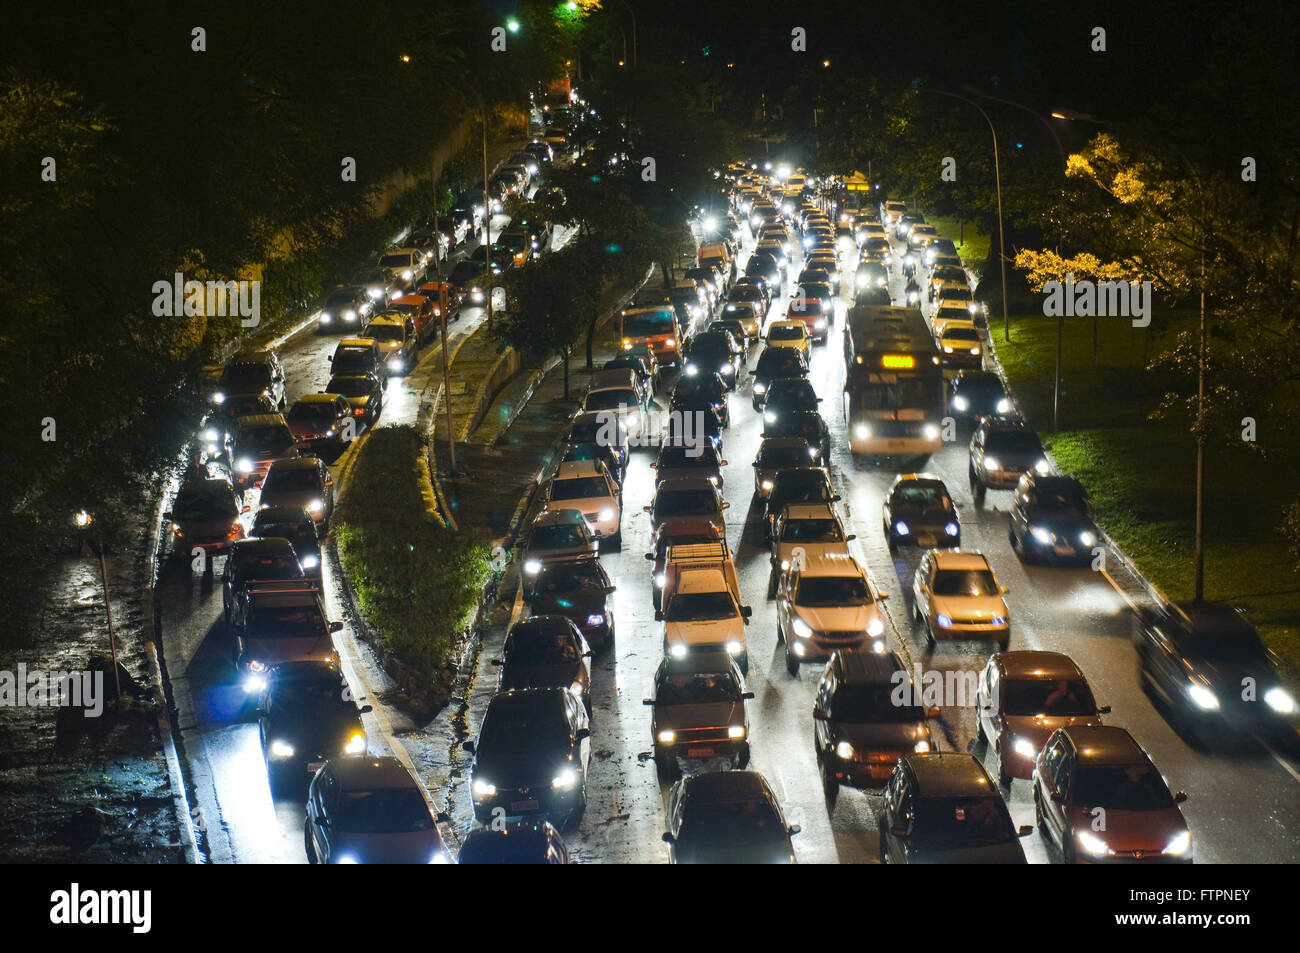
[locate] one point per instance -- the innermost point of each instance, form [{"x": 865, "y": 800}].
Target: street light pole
[
  {"x": 997, "y": 172},
  {"x": 487, "y": 223},
  {"x": 85, "y": 521}
]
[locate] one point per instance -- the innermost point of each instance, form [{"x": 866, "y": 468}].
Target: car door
[
  {"x": 324, "y": 800},
  {"x": 921, "y": 587},
  {"x": 1054, "y": 811},
  {"x": 1019, "y": 515},
  {"x": 988, "y": 699}
]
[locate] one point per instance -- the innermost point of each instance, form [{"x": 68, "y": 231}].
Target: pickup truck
[
  {"x": 281, "y": 620},
  {"x": 701, "y": 603}
]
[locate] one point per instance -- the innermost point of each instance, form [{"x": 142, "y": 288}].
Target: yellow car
[{"x": 792, "y": 334}]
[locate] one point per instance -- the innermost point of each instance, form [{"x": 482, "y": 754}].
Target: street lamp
[
  {"x": 85, "y": 522},
  {"x": 997, "y": 172}
]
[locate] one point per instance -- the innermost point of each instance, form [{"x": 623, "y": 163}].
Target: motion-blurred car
[
  {"x": 919, "y": 511},
  {"x": 698, "y": 711},
  {"x": 956, "y": 596},
  {"x": 1051, "y": 520},
  {"x": 370, "y": 811},
  {"x": 306, "y": 716},
  {"x": 727, "y": 817}
]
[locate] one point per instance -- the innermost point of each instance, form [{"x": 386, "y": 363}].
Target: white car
[
  {"x": 957, "y": 597},
  {"x": 891, "y": 212},
  {"x": 827, "y": 604},
  {"x": 625, "y": 400},
  {"x": 586, "y": 486}
]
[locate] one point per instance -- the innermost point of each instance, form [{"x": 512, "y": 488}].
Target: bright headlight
[
  {"x": 678, "y": 650},
  {"x": 1092, "y": 843},
  {"x": 875, "y": 626},
  {"x": 596, "y": 618},
  {"x": 1203, "y": 697},
  {"x": 439, "y": 858},
  {"x": 395, "y": 363},
  {"x": 1023, "y": 747},
  {"x": 532, "y": 566},
  {"x": 210, "y": 435},
  {"x": 930, "y": 432},
  {"x": 408, "y": 274},
  {"x": 1004, "y": 406},
  {"x": 862, "y": 431},
  {"x": 577, "y": 688},
  {"x": 1042, "y": 467},
  {"x": 801, "y": 628},
  {"x": 315, "y": 506},
  {"x": 952, "y": 529},
  {"x": 564, "y": 780},
  {"x": 606, "y": 514},
  {"x": 922, "y": 747},
  {"x": 1180, "y": 844},
  {"x": 281, "y": 749},
  {"x": 667, "y": 737},
  {"x": 1087, "y": 538},
  {"x": 1280, "y": 701},
  {"x": 734, "y": 647},
  {"x": 310, "y": 562},
  {"x": 727, "y": 369},
  {"x": 947, "y": 349},
  {"x": 844, "y": 750},
  {"x": 901, "y": 528},
  {"x": 356, "y": 744},
  {"x": 483, "y": 789},
  {"x": 992, "y": 463},
  {"x": 660, "y": 579},
  {"x": 769, "y": 416},
  {"x": 760, "y": 387},
  {"x": 943, "y": 620},
  {"x": 960, "y": 403},
  {"x": 1041, "y": 534},
  {"x": 218, "y": 398},
  {"x": 736, "y": 731},
  {"x": 245, "y": 465}
]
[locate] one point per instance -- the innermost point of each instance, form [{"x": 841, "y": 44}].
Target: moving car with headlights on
[
  {"x": 1051, "y": 520},
  {"x": 686, "y": 498},
  {"x": 531, "y": 757},
  {"x": 1022, "y": 698},
  {"x": 557, "y": 536},
  {"x": 305, "y": 482},
  {"x": 253, "y": 560},
  {"x": 727, "y": 817},
  {"x": 586, "y": 486},
  {"x": 295, "y": 524},
  {"x": 826, "y": 604},
  {"x": 204, "y": 516},
  {"x": 370, "y": 810},
  {"x": 344, "y": 309},
  {"x": 942, "y": 808},
  {"x": 1001, "y": 452},
  {"x": 279, "y": 621},
  {"x": 321, "y": 423},
  {"x": 677, "y": 461},
  {"x": 701, "y": 604},
  {"x": 957, "y": 597},
  {"x": 1081, "y": 769},
  {"x": 780, "y": 453},
  {"x": 364, "y": 393},
  {"x": 698, "y": 711},
  {"x": 789, "y": 334},
  {"x": 399, "y": 342},
  {"x": 253, "y": 444},
  {"x": 251, "y": 372},
  {"x": 546, "y": 651},
  {"x": 578, "y": 589},
  {"x": 975, "y": 395},
  {"x": 918, "y": 511},
  {"x": 306, "y": 716},
  {"x": 803, "y": 532},
  {"x": 353, "y": 356},
  {"x": 867, "y": 713},
  {"x": 806, "y": 484},
  {"x": 774, "y": 363}
]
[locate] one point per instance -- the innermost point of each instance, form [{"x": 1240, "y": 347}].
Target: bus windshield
[{"x": 648, "y": 324}]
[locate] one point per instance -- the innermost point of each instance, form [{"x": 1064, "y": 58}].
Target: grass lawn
[
  {"x": 1142, "y": 474},
  {"x": 974, "y": 250}
]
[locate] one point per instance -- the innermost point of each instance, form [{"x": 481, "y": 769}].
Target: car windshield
[
  {"x": 962, "y": 821},
  {"x": 384, "y": 811},
  {"x": 786, "y": 333},
  {"x": 300, "y": 534},
  {"x": 746, "y": 293},
  {"x": 964, "y": 582},
  {"x": 779, "y": 363},
  {"x": 732, "y": 823},
  {"x": 923, "y": 499},
  {"x": 525, "y": 729},
  {"x": 292, "y": 480},
  {"x": 597, "y": 429},
  {"x": 824, "y": 592},
  {"x": 353, "y": 359},
  {"x": 808, "y": 485},
  {"x": 556, "y": 537},
  {"x": 672, "y": 458},
  {"x": 287, "y": 622},
  {"x": 206, "y": 505},
  {"x": 396, "y": 261},
  {"x": 265, "y": 441},
  {"x": 1011, "y": 441},
  {"x": 268, "y": 567},
  {"x": 700, "y": 607},
  {"x": 685, "y": 503},
  {"x": 872, "y": 703},
  {"x": 695, "y": 688},
  {"x": 350, "y": 386},
  {"x": 961, "y": 334},
  {"x": 385, "y": 332},
  {"x": 337, "y": 301},
  {"x": 777, "y": 458},
  {"x": 314, "y": 413},
  {"x": 1046, "y": 696},
  {"x": 579, "y": 488},
  {"x": 245, "y": 377},
  {"x": 812, "y": 531},
  {"x": 543, "y": 649},
  {"x": 954, "y": 294},
  {"x": 558, "y": 579},
  {"x": 980, "y": 387},
  {"x": 648, "y": 325},
  {"x": 1121, "y": 787},
  {"x": 610, "y": 400}
]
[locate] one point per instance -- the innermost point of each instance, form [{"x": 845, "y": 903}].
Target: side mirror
[
  {"x": 1003, "y": 589},
  {"x": 819, "y": 714},
  {"x": 1180, "y": 797},
  {"x": 646, "y": 509},
  {"x": 367, "y": 709},
  {"x": 1058, "y": 797},
  {"x": 835, "y": 498},
  {"x": 746, "y": 695},
  {"x": 850, "y": 537},
  {"x": 650, "y": 556},
  {"x": 336, "y": 626},
  {"x": 168, "y": 514},
  {"x": 668, "y": 838},
  {"x": 898, "y": 830},
  {"x": 754, "y": 465},
  {"x": 442, "y": 817},
  {"x": 746, "y": 611},
  {"x": 881, "y": 596},
  {"x": 582, "y": 734},
  {"x": 793, "y": 829},
  {"x": 726, "y": 506},
  {"x": 659, "y": 615},
  {"x": 1025, "y": 830},
  {"x": 1103, "y": 709},
  {"x": 496, "y": 661},
  {"x": 467, "y": 746},
  {"x": 647, "y": 701},
  {"x": 722, "y": 463}
]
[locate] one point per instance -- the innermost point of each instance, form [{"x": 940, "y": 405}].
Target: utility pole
[{"x": 487, "y": 224}]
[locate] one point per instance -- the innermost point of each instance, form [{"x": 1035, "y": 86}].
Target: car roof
[
  {"x": 296, "y": 463},
  {"x": 1105, "y": 744},
  {"x": 869, "y": 668},
  {"x": 809, "y": 511},
  {"x": 685, "y": 483},
  {"x": 726, "y": 786},
  {"x": 559, "y": 517},
  {"x": 575, "y": 469},
  {"x": 948, "y": 774},
  {"x": 371, "y": 772},
  {"x": 321, "y": 398},
  {"x": 283, "y": 514},
  {"x": 386, "y": 319},
  {"x": 698, "y": 663},
  {"x": 958, "y": 559},
  {"x": 269, "y": 545},
  {"x": 838, "y": 565},
  {"x": 916, "y": 479},
  {"x": 1037, "y": 664},
  {"x": 249, "y": 421}
]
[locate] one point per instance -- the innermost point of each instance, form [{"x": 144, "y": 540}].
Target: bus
[
  {"x": 893, "y": 382},
  {"x": 654, "y": 326}
]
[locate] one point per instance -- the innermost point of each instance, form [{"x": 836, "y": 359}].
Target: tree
[{"x": 547, "y": 305}]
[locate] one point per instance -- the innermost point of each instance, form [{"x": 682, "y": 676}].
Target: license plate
[
  {"x": 314, "y": 766},
  {"x": 880, "y": 770},
  {"x": 895, "y": 444},
  {"x": 524, "y": 806},
  {"x": 699, "y": 752},
  {"x": 925, "y": 540},
  {"x": 1063, "y": 550}
]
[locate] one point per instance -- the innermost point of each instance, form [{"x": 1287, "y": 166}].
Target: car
[
  {"x": 685, "y": 532},
  {"x": 729, "y": 323},
  {"x": 826, "y": 602},
  {"x": 253, "y": 444},
  {"x": 867, "y": 713},
  {"x": 698, "y": 711},
  {"x": 555, "y": 536},
  {"x": 302, "y": 481},
  {"x": 306, "y": 716},
  {"x": 295, "y": 524},
  {"x": 516, "y": 244},
  {"x": 620, "y": 393},
  {"x": 546, "y": 651},
  {"x": 588, "y": 487},
  {"x": 942, "y": 808},
  {"x": 1022, "y": 697},
  {"x": 975, "y": 395},
  {"x": 780, "y": 453},
  {"x": 640, "y": 364},
  {"x": 254, "y": 559},
  {"x": 809, "y": 483},
  {"x": 379, "y": 285},
  {"x": 878, "y": 250},
  {"x": 768, "y": 269},
  {"x": 677, "y": 461},
  {"x": 753, "y": 289},
  {"x": 407, "y": 266},
  {"x": 217, "y": 426},
  {"x": 745, "y": 307},
  {"x": 685, "y": 498},
  {"x": 399, "y": 342},
  {"x": 904, "y": 222},
  {"x": 364, "y": 393},
  {"x": 522, "y": 842},
  {"x": 1198, "y": 659},
  {"x": 919, "y": 511},
  {"x": 273, "y": 621},
  {"x": 370, "y": 810},
  {"x": 1087, "y": 772},
  {"x": 727, "y": 817},
  {"x": 707, "y": 389},
  {"x": 344, "y": 309},
  {"x": 960, "y": 344},
  {"x": 821, "y": 291},
  {"x": 774, "y": 363},
  {"x": 789, "y": 334},
  {"x": 204, "y": 516},
  {"x": 471, "y": 281},
  {"x": 577, "y": 588},
  {"x": 713, "y": 352},
  {"x": 945, "y": 275},
  {"x": 1050, "y": 520},
  {"x": 872, "y": 297},
  {"x": 957, "y": 596},
  {"x": 604, "y": 430},
  {"x": 531, "y": 757},
  {"x": 320, "y": 423},
  {"x": 810, "y": 312},
  {"x": 787, "y": 395},
  {"x": 806, "y": 424},
  {"x": 251, "y": 372},
  {"x": 940, "y": 246},
  {"x": 1001, "y": 452},
  {"x": 353, "y": 356},
  {"x": 959, "y": 294},
  {"x": 803, "y": 532},
  {"x": 951, "y": 315}
]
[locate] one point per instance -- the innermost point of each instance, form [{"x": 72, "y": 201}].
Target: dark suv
[
  {"x": 1001, "y": 451},
  {"x": 251, "y": 372}
]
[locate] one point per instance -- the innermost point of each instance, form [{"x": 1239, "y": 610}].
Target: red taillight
[
  {"x": 358, "y": 411},
  {"x": 236, "y": 531}
]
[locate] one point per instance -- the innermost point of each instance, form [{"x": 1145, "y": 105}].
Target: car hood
[
  {"x": 1038, "y": 728},
  {"x": 770, "y": 851},
  {"x": 305, "y": 728},
  {"x": 277, "y": 649},
  {"x": 837, "y": 618},
  {"x": 709, "y": 632},
  {"x": 895, "y": 736},
  {"x": 1007, "y": 852},
  {"x": 571, "y": 604},
  {"x": 982, "y": 608},
  {"x": 411, "y": 847},
  {"x": 290, "y": 497},
  {"x": 674, "y": 473},
  {"x": 559, "y": 554},
  {"x": 557, "y": 675},
  {"x": 812, "y": 551},
  {"x": 1014, "y": 461},
  {"x": 699, "y": 715},
  {"x": 1147, "y": 831}
]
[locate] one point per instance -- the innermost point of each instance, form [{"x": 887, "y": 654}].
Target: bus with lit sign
[{"x": 893, "y": 382}]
